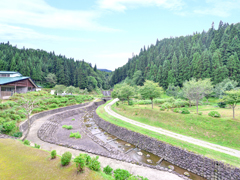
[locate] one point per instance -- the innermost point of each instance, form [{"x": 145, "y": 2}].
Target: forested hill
[
  {"x": 38, "y": 64},
  {"x": 213, "y": 54}
]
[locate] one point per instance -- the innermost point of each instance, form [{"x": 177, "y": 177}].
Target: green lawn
[
  {"x": 22, "y": 162},
  {"x": 197, "y": 149},
  {"x": 223, "y": 131}
]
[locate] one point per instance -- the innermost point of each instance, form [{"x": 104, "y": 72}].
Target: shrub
[
  {"x": 61, "y": 105},
  {"x": 26, "y": 142},
  {"x": 121, "y": 174},
  {"x": 3, "y": 114},
  {"x": 53, "y": 154},
  {"x": 67, "y": 127},
  {"x": 15, "y": 117},
  {"x": 88, "y": 159},
  {"x": 73, "y": 119},
  {"x": 53, "y": 105},
  {"x": 185, "y": 111},
  {"x": 17, "y": 134},
  {"x": 37, "y": 146},
  {"x": 95, "y": 164},
  {"x": 131, "y": 102},
  {"x": 166, "y": 105},
  {"x": 214, "y": 114},
  {"x": 76, "y": 135},
  {"x": 200, "y": 113},
  {"x": 9, "y": 126},
  {"x": 162, "y": 109},
  {"x": 66, "y": 158},
  {"x": 37, "y": 110},
  {"x": 137, "y": 178},
  {"x": 108, "y": 170},
  {"x": 176, "y": 110},
  {"x": 117, "y": 104},
  {"x": 2, "y": 120},
  {"x": 80, "y": 162},
  {"x": 159, "y": 101},
  {"x": 222, "y": 104}
]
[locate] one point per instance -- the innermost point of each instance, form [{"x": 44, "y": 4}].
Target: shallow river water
[{"x": 137, "y": 154}]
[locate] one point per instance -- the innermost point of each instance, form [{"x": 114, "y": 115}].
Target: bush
[
  {"x": 17, "y": 134},
  {"x": 67, "y": 127},
  {"x": 222, "y": 104},
  {"x": 214, "y": 114},
  {"x": 166, "y": 105},
  {"x": 95, "y": 164},
  {"x": 2, "y": 120},
  {"x": 9, "y": 126},
  {"x": 108, "y": 170},
  {"x": 53, "y": 154},
  {"x": 184, "y": 111},
  {"x": 80, "y": 162},
  {"x": 37, "y": 110},
  {"x": 117, "y": 104},
  {"x": 37, "y": 146},
  {"x": 61, "y": 105},
  {"x": 176, "y": 110},
  {"x": 200, "y": 113},
  {"x": 15, "y": 117},
  {"x": 130, "y": 102},
  {"x": 26, "y": 142},
  {"x": 66, "y": 158},
  {"x": 73, "y": 119},
  {"x": 76, "y": 135},
  {"x": 53, "y": 105},
  {"x": 162, "y": 109},
  {"x": 88, "y": 159},
  {"x": 121, "y": 174},
  {"x": 137, "y": 178}
]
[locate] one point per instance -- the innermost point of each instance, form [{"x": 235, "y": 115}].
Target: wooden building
[{"x": 13, "y": 82}]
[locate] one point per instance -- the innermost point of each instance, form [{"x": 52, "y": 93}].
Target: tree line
[
  {"x": 48, "y": 69},
  {"x": 193, "y": 90},
  {"x": 213, "y": 54}
]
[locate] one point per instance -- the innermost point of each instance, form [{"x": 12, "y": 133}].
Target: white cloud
[
  {"x": 39, "y": 13},
  {"x": 8, "y": 32},
  {"x": 219, "y": 8},
  {"x": 122, "y": 5}
]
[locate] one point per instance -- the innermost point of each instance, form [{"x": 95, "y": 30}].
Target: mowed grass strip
[
  {"x": 221, "y": 131},
  {"x": 18, "y": 161},
  {"x": 182, "y": 144}
]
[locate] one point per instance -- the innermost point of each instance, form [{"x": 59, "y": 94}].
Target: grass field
[
  {"x": 197, "y": 149},
  {"x": 223, "y": 131},
  {"x": 22, "y": 162}
]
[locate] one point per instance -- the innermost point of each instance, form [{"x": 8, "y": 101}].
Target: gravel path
[
  {"x": 198, "y": 142},
  {"x": 151, "y": 174}
]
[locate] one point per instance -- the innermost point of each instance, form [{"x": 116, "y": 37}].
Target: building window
[{"x": 4, "y": 75}]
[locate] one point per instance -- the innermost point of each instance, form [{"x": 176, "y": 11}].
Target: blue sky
[{"x": 107, "y": 32}]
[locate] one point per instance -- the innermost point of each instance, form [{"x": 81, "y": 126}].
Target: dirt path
[
  {"x": 151, "y": 174},
  {"x": 198, "y": 142}
]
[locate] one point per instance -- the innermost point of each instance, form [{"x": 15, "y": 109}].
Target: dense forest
[
  {"x": 39, "y": 64},
  {"x": 213, "y": 54}
]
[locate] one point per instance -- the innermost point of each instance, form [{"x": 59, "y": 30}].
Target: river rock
[
  {"x": 171, "y": 167},
  {"x": 140, "y": 153},
  {"x": 128, "y": 144},
  {"x": 186, "y": 174},
  {"x": 149, "y": 161},
  {"x": 148, "y": 155}
]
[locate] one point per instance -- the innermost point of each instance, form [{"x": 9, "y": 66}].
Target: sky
[{"x": 107, "y": 32}]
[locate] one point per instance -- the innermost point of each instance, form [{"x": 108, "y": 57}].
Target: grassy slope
[
  {"x": 22, "y": 162},
  {"x": 197, "y": 149},
  {"x": 222, "y": 131}
]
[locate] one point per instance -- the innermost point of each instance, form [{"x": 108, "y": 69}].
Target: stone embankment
[
  {"x": 47, "y": 130},
  {"x": 200, "y": 165}
]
